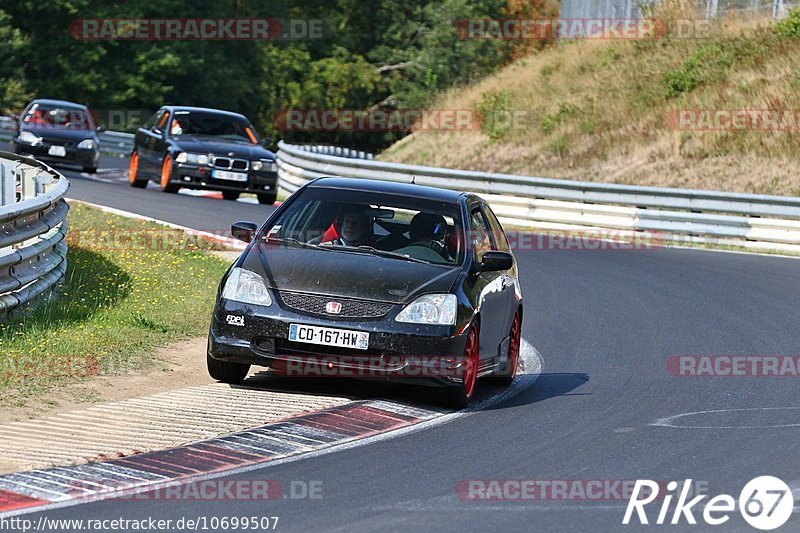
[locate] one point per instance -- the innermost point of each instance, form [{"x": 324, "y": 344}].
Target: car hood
[
  {"x": 347, "y": 275},
  {"x": 61, "y": 134},
  {"x": 221, "y": 147}
]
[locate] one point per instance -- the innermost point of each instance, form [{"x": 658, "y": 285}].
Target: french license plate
[
  {"x": 342, "y": 338},
  {"x": 228, "y": 175},
  {"x": 58, "y": 151}
]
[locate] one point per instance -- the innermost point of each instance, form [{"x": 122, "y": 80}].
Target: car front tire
[
  {"x": 134, "y": 176},
  {"x": 90, "y": 170},
  {"x": 267, "y": 199},
  {"x": 233, "y": 373},
  {"x": 166, "y": 176},
  {"x": 230, "y": 195}
]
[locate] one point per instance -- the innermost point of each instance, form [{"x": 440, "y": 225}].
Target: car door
[
  {"x": 148, "y": 139},
  {"x": 509, "y": 278},
  {"x": 491, "y": 295}
]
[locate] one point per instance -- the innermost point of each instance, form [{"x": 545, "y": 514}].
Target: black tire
[
  {"x": 267, "y": 199},
  {"x": 233, "y": 373},
  {"x": 90, "y": 170},
  {"x": 231, "y": 195}
]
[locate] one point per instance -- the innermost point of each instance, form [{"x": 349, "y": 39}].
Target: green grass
[
  {"x": 600, "y": 110},
  {"x": 130, "y": 287}
]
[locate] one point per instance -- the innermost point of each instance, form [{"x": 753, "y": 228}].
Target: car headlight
[
  {"x": 246, "y": 287},
  {"x": 29, "y": 137},
  {"x": 194, "y": 159},
  {"x": 265, "y": 164},
  {"x": 430, "y": 309},
  {"x": 87, "y": 144}
]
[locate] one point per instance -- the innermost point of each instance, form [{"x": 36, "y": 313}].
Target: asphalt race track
[{"x": 606, "y": 324}]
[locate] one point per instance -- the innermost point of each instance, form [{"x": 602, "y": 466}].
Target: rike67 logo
[{"x": 765, "y": 503}]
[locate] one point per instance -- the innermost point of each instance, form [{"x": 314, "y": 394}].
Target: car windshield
[
  {"x": 391, "y": 226},
  {"x": 46, "y": 116},
  {"x": 212, "y": 125}
]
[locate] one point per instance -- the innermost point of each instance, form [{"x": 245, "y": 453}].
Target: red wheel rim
[
  {"x": 166, "y": 172},
  {"x": 513, "y": 347},
  {"x": 133, "y": 168},
  {"x": 471, "y": 362}
]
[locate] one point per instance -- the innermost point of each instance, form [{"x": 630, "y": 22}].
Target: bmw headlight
[
  {"x": 430, "y": 309},
  {"x": 194, "y": 159},
  {"x": 87, "y": 144},
  {"x": 246, "y": 287},
  {"x": 29, "y": 137},
  {"x": 265, "y": 164}
]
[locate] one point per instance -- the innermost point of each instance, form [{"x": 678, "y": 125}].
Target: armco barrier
[
  {"x": 33, "y": 226},
  {"x": 682, "y": 215}
]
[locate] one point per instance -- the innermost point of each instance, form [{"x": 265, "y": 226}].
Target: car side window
[
  {"x": 150, "y": 121},
  {"x": 480, "y": 234},
  {"x": 500, "y": 240},
  {"x": 160, "y": 122}
]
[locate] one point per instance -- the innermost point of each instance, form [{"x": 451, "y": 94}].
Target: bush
[{"x": 790, "y": 26}]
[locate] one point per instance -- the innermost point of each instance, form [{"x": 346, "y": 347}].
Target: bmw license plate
[
  {"x": 228, "y": 175},
  {"x": 342, "y": 338},
  {"x": 58, "y": 151}
]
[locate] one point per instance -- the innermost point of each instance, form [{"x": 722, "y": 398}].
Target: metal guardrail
[
  {"x": 33, "y": 227},
  {"x": 682, "y": 215}
]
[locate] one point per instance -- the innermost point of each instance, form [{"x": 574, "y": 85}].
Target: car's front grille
[
  {"x": 309, "y": 303},
  {"x": 228, "y": 163}
]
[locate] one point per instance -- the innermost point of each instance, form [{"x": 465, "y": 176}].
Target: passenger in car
[{"x": 427, "y": 231}]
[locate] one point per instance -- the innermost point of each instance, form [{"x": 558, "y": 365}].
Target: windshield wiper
[
  {"x": 375, "y": 251},
  {"x": 289, "y": 240}
]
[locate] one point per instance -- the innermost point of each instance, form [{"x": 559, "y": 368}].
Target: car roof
[
  {"x": 203, "y": 109},
  {"x": 59, "y": 103},
  {"x": 390, "y": 187}
]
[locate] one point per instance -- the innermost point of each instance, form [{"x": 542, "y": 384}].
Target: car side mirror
[
  {"x": 494, "y": 261},
  {"x": 101, "y": 128},
  {"x": 266, "y": 142},
  {"x": 244, "y": 231}
]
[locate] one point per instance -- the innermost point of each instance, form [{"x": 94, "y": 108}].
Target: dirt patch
[{"x": 182, "y": 364}]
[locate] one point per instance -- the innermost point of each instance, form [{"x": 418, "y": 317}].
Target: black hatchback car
[
  {"x": 199, "y": 148},
  {"x": 58, "y": 132},
  {"x": 372, "y": 279}
]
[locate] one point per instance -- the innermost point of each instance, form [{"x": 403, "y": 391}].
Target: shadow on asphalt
[{"x": 548, "y": 385}]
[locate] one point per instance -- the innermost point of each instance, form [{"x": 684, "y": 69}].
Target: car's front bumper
[
  {"x": 411, "y": 353},
  {"x": 74, "y": 155},
  {"x": 200, "y": 177}
]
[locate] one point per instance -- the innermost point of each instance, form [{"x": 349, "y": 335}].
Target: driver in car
[
  {"x": 352, "y": 227},
  {"x": 426, "y": 230}
]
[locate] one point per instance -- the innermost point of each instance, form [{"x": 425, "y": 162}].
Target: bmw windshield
[{"x": 201, "y": 123}]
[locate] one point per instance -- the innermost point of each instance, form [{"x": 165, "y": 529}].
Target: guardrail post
[
  {"x": 8, "y": 184},
  {"x": 27, "y": 178},
  {"x": 41, "y": 183}
]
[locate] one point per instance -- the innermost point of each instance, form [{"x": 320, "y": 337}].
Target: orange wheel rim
[
  {"x": 133, "y": 167},
  {"x": 166, "y": 172}
]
